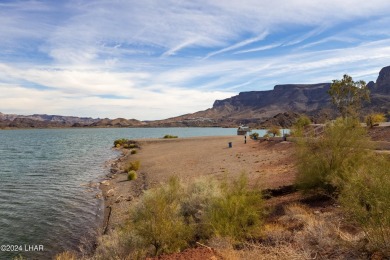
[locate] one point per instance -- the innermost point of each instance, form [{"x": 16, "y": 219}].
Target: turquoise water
[{"x": 45, "y": 198}]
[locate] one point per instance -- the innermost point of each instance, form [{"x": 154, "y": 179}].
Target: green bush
[
  {"x": 170, "y": 136},
  {"x": 365, "y": 197},
  {"x": 157, "y": 219},
  {"x": 133, "y": 166},
  {"x": 125, "y": 143},
  {"x": 237, "y": 213},
  {"x": 300, "y": 124},
  {"x": 254, "y": 136},
  {"x": 133, "y": 151},
  {"x": 274, "y": 131},
  {"x": 131, "y": 175},
  {"x": 120, "y": 142},
  {"x": 326, "y": 162}
]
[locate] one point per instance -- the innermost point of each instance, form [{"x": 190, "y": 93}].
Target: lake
[{"x": 46, "y": 196}]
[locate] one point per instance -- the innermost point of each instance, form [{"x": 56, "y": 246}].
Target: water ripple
[{"x": 42, "y": 199}]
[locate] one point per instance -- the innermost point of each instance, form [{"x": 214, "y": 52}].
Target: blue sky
[{"x": 157, "y": 59}]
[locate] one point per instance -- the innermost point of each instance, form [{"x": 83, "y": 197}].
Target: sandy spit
[{"x": 268, "y": 164}]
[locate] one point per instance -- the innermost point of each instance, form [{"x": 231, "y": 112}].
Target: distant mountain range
[
  {"x": 280, "y": 106},
  {"x": 55, "y": 121}
]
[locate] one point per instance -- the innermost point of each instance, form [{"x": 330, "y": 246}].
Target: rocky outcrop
[
  {"x": 291, "y": 97},
  {"x": 383, "y": 81},
  {"x": 119, "y": 122},
  {"x": 259, "y": 108}
]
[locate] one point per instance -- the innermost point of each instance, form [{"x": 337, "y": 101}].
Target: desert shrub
[
  {"x": 157, "y": 219},
  {"x": 133, "y": 166},
  {"x": 254, "y": 136},
  {"x": 326, "y": 162},
  {"x": 303, "y": 121},
  {"x": 170, "y": 136},
  {"x": 121, "y": 243},
  {"x": 300, "y": 124},
  {"x": 374, "y": 119},
  {"x": 274, "y": 131},
  {"x": 237, "y": 213},
  {"x": 67, "y": 255},
  {"x": 133, "y": 151},
  {"x": 266, "y": 135},
  {"x": 365, "y": 197},
  {"x": 131, "y": 175},
  {"x": 120, "y": 142}
]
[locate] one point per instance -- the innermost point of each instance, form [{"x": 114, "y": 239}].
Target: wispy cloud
[
  {"x": 182, "y": 53},
  {"x": 238, "y": 45},
  {"x": 262, "y": 48}
]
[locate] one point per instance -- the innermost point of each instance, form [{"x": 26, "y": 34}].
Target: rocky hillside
[
  {"x": 55, "y": 121},
  {"x": 261, "y": 108},
  {"x": 254, "y": 108}
]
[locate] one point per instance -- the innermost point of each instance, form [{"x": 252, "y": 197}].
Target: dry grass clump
[
  {"x": 67, "y": 255},
  {"x": 298, "y": 234},
  {"x": 118, "y": 244}
]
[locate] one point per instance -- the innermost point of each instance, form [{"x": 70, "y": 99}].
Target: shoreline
[{"x": 190, "y": 158}]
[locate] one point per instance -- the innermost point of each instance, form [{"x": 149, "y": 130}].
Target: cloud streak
[{"x": 182, "y": 53}]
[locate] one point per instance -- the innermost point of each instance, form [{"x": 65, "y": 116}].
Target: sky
[{"x": 155, "y": 59}]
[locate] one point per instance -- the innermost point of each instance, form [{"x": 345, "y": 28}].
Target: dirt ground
[
  {"x": 267, "y": 164},
  {"x": 381, "y": 133}
]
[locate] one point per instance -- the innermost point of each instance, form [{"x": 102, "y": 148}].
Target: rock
[
  {"x": 110, "y": 193},
  {"x": 119, "y": 199},
  {"x": 129, "y": 198},
  {"x": 105, "y": 183}
]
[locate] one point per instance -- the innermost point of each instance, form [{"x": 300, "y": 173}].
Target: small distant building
[{"x": 243, "y": 130}]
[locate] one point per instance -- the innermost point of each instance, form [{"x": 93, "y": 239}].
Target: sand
[{"x": 268, "y": 164}]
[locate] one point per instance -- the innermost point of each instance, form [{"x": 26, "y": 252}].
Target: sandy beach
[{"x": 268, "y": 164}]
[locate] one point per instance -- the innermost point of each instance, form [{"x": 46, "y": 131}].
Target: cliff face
[
  {"x": 383, "y": 82},
  {"x": 291, "y": 97},
  {"x": 258, "y": 107}
]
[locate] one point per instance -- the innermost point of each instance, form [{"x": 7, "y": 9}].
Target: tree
[
  {"x": 274, "y": 130},
  {"x": 347, "y": 95},
  {"x": 300, "y": 124}
]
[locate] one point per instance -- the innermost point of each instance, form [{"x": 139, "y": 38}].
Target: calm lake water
[{"x": 45, "y": 198}]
